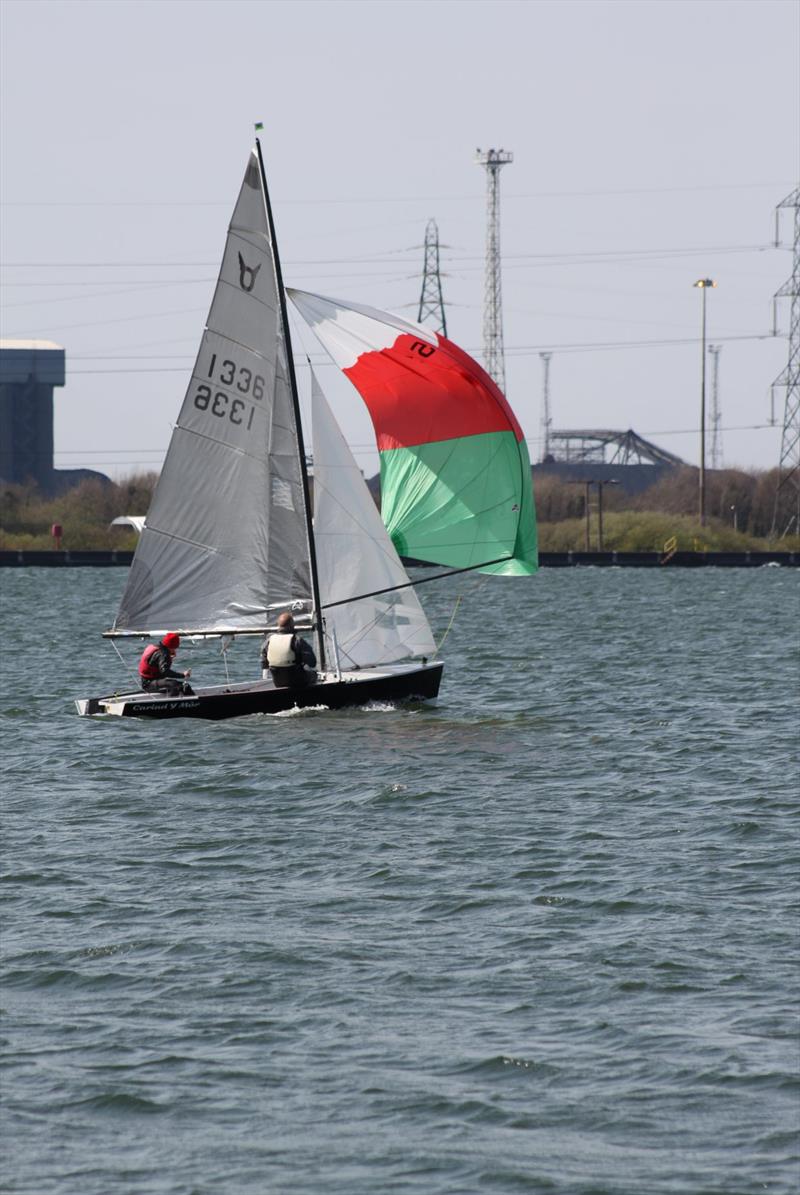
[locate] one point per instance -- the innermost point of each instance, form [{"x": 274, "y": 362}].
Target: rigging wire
[
  {"x": 440, "y": 644},
  {"x": 477, "y": 584},
  {"x": 122, "y": 660},
  {"x": 226, "y": 642}
]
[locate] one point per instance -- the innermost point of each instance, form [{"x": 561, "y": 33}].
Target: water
[{"x": 541, "y": 937}]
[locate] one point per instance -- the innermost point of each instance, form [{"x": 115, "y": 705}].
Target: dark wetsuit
[
  {"x": 298, "y": 675},
  {"x": 168, "y": 680}
]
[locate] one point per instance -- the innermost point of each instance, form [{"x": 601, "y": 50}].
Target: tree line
[{"x": 740, "y": 506}]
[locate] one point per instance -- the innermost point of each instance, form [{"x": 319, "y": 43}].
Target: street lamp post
[
  {"x": 600, "y": 484},
  {"x": 588, "y": 541},
  {"x": 703, "y": 284},
  {"x": 587, "y": 510}
]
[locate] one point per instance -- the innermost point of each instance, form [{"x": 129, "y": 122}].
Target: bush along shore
[
  {"x": 83, "y": 513},
  {"x": 741, "y": 515}
]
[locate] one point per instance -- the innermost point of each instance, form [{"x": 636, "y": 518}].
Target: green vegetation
[
  {"x": 740, "y": 509},
  {"x": 648, "y": 531},
  {"x": 84, "y": 513}
]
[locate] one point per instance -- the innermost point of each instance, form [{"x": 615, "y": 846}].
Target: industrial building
[
  {"x": 623, "y": 457},
  {"x": 29, "y": 372}
]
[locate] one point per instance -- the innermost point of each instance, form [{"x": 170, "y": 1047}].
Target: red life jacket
[{"x": 147, "y": 670}]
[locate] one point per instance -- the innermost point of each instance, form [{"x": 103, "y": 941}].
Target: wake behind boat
[{"x": 232, "y": 538}]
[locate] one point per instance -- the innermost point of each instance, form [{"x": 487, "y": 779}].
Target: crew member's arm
[
  {"x": 307, "y": 656},
  {"x": 163, "y": 661}
]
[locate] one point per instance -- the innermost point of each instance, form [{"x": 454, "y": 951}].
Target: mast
[{"x": 312, "y": 555}]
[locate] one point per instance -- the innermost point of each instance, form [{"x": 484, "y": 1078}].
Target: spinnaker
[{"x": 456, "y": 485}]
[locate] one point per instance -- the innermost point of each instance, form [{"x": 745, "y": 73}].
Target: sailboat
[{"x": 232, "y": 537}]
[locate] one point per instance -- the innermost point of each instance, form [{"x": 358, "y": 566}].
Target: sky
[{"x": 652, "y": 143}]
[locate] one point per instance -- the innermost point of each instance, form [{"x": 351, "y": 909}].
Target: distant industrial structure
[
  {"x": 431, "y": 302},
  {"x": 714, "y": 351},
  {"x": 493, "y": 353},
  {"x": 29, "y": 372},
  {"x": 547, "y": 422},
  {"x": 789, "y": 462},
  {"x": 604, "y": 455}
]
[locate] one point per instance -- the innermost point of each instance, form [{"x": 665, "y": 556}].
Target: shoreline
[{"x": 65, "y": 558}]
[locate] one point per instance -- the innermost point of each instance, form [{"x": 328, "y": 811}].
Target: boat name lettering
[
  {"x": 228, "y": 371},
  {"x": 222, "y": 405},
  {"x": 424, "y": 350}
]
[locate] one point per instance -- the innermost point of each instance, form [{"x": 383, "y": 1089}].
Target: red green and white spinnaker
[{"x": 456, "y": 484}]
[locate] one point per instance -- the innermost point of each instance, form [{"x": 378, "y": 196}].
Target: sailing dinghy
[{"x": 232, "y": 540}]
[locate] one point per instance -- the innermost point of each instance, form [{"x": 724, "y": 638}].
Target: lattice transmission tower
[
  {"x": 493, "y": 354},
  {"x": 547, "y": 422},
  {"x": 787, "y": 493},
  {"x": 431, "y": 303},
  {"x": 716, "y": 414}
]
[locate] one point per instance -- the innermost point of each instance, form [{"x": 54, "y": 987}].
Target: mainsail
[
  {"x": 455, "y": 472},
  {"x": 355, "y": 556},
  {"x": 226, "y": 536}
]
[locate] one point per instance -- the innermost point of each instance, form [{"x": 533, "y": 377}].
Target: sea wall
[{"x": 22, "y": 558}]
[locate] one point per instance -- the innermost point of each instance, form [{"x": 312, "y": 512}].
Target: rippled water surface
[{"x": 541, "y": 936}]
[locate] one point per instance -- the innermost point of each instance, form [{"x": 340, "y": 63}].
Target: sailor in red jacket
[{"x": 155, "y": 668}]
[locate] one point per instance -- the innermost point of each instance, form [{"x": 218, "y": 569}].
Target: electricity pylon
[
  {"x": 493, "y": 354},
  {"x": 788, "y": 487},
  {"x": 431, "y": 303},
  {"x": 716, "y": 416},
  {"x": 546, "y": 420}
]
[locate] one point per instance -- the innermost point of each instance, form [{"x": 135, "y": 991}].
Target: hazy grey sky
[{"x": 652, "y": 142}]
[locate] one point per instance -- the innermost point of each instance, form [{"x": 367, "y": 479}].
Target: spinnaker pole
[
  {"x": 312, "y": 555},
  {"x": 470, "y": 568}
]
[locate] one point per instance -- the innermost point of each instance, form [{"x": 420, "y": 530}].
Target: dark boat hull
[{"x": 394, "y": 683}]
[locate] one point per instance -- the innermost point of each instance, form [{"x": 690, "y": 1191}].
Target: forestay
[
  {"x": 225, "y": 536},
  {"x": 456, "y": 485},
  {"x": 356, "y": 556}
]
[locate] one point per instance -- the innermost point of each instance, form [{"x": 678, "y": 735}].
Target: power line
[
  {"x": 128, "y": 289},
  {"x": 119, "y": 319},
  {"x": 363, "y": 200},
  {"x": 601, "y": 346},
  {"x": 515, "y": 351},
  {"x": 104, "y": 282},
  {"x": 673, "y": 431},
  {"x": 389, "y": 257},
  {"x": 688, "y": 431},
  {"x": 144, "y": 369}
]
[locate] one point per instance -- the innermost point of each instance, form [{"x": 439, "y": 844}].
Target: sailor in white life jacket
[{"x": 287, "y": 658}]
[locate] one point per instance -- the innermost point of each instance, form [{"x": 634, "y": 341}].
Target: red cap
[{"x": 171, "y": 641}]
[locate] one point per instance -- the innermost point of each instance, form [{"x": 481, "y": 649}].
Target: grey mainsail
[{"x": 226, "y": 536}]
